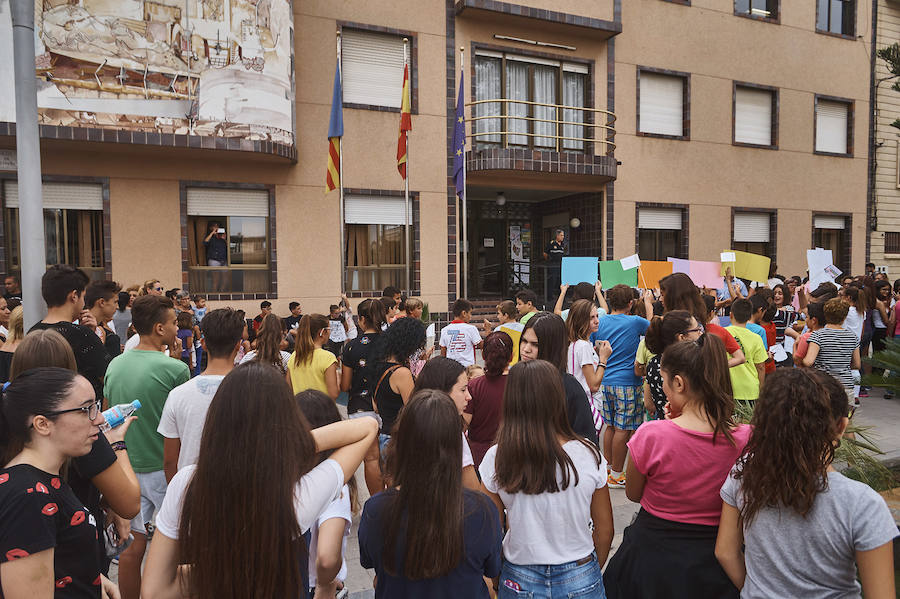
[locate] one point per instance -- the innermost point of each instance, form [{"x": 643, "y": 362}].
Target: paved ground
[{"x": 883, "y": 416}]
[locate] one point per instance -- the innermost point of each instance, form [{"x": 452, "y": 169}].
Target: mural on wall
[{"x": 199, "y": 67}]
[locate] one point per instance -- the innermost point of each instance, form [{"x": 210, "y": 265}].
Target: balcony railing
[{"x": 508, "y": 123}]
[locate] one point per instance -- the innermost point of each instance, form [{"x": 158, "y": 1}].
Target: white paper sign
[
  {"x": 630, "y": 262},
  {"x": 337, "y": 331},
  {"x": 727, "y": 257},
  {"x": 778, "y": 353},
  {"x": 788, "y": 344}
]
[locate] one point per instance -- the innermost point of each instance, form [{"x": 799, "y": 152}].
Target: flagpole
[
  {"x": 341, "y": 176},
  {"x": 464, "y": 226},
  {"x": 406, "y": 182}
]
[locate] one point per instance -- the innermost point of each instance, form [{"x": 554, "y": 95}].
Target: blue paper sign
[{"x": 579, "y": 270}]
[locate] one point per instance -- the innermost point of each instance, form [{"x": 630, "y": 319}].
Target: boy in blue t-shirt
[{"x": 622, "y": 390}]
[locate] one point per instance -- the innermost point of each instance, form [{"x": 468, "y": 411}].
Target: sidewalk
[{"x": 880, "y": 414}]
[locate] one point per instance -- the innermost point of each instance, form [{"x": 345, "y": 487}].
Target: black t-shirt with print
[
  {"x": 356, "y": 356},
  {"x": 81, "y": 471},
  {"x": 654, "y": 380},
  {"x": 90, "y": 355},
  {"x": 555, "y": 252},
  {"x": 38, "y": 512}
]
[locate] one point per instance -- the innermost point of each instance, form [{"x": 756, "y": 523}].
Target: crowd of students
[{"x": 483, "y": 481}]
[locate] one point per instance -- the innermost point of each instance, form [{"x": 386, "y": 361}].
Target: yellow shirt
[
  {"x": 514, "y": 330},
  {"x": 311, "y": 375}
]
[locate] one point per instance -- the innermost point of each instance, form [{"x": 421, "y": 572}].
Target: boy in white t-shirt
[{"x": 459, "y": 339}]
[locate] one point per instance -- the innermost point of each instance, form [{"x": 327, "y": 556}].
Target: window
[
  {"x": 892, "y": 243},
  {"x": 662, "y": 104},
  {"x": 836, "y": 16},
  {"x": 659, "y": 233},
  {"x": 528, "y": 91},
  {"x": 754, "y": 116},
  {"x": 73, "y": 225},
  {"x": 236, "y": 260},
  {"x": 830, "y": 232},
  {"x": 761, "y": 9},
  {"x": 376, "y": 242},
  {"x": 372, "y": 68},
  {"x": 833, "y": 126},
  {"x": 752, "y": 233}
]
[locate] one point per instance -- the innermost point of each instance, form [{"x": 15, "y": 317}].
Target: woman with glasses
[
  {"x": 48, "y": 538},
  {"x": 677, "y": 325},
  {"x": 152, "y": 287}
]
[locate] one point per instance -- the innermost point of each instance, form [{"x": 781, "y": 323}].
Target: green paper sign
[{"x": 611, "y": 273}]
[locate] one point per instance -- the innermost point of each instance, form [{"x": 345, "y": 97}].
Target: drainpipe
[{"x": 32, "y": 255}]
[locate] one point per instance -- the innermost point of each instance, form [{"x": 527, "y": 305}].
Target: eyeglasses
[
  {"x": 697, "y": 330},
  {"x": 91, "y": 411},
  {"x": 158, "y": 288}
]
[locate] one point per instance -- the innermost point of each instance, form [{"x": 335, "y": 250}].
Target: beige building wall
[
  {"x": 710, "y": 174},
  {"x": 887, "y": 151}
]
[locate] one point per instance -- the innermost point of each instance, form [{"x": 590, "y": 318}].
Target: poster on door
[{"x": 515, "y": 243}]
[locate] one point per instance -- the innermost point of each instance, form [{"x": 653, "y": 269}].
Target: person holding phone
[{"x": 216, "y": 251}]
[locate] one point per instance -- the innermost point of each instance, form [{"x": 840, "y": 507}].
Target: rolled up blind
[
  {"x": 374, "y": 210},
  {"x": 206, "y": 201},
  {"x": 751, "y": 226},
  {"x": 372, "y": 65},
  {"x": 831, "y": 126},
  {"x": 60, "y": 196},
  {"x": 660, "y": 218}
]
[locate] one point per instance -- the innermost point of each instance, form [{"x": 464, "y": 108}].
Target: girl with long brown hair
[
  {"x": 310, "y": 366},
  {"x": 584, "y": 361},
  {"x": 269, "y": 343},
  {"x": 792, "y": 526},
  {"x": 676, "y": 469},
  {"x": 551, "y": 482},
  {"x": 679, "y": 292},
  {"x": 677, "y": 325},
  {"x": 240, "y": 527},
  {"x": 428, "y": 536}
]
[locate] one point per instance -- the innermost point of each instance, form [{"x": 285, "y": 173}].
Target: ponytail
[
  {"x": 373, "y": 311},
  {"x": 703, "y": 365},
  {"x": 664, "y": 331},
  {"x": 34, "y": 392},
  {"x": 309, "y": 328}
]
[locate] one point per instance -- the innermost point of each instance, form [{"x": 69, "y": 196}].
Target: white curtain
[
  {"x": 573, "y": 95},
  {"x": 545, "y": 91},
  {"x": 517, "y": 89},
  {"x": 487, "y": 87}
]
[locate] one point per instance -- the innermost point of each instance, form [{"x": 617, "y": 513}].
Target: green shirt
[
  {"x": 147, "y": 376},
  {"x": 744, "y": 377},
  {"x": 527, "y": 317}
]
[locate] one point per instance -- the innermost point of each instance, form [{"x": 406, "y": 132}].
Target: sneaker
[
  {"x": 616, "y": 483},
  {"x": 889, "y": 395},
  {"x": 863, "y": 392},
  {"x": 856, "y": 402}
]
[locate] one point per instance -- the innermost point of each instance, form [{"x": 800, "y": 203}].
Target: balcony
[{"x": 540, "y": 144}]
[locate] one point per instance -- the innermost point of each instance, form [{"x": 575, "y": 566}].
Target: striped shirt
[
  {"x": 784, "y": 317},
  {"x": 835, "y": 353}
]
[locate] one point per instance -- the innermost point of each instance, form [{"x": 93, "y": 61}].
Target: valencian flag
[
  {"x": 405, "y": 124},
  {"x": 459, "y": 142},
  {"x": 335, "y": 132}
]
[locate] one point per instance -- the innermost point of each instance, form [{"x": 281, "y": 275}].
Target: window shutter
[
  {"x": 374, "y": 210},
  {"x": 752, "y": 226},
  {"x": 372, "y": 68},
  {"x": 829, "y": 222},
  {"x": 660, "y": 218},
  {"x": 753, "y": 116},
  {"x": 61, "y": 196},
  {"x": 207, "y": 201},
  {"x": 662, "y": 104},
  {"x": 831, "y": 127}
]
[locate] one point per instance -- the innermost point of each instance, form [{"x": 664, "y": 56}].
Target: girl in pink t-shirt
[{"x": 676, "y": 469}]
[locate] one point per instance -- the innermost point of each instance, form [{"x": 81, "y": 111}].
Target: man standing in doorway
[{"x": 553, "y": 254}]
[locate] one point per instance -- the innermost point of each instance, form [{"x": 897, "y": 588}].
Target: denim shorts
[
  {"x": 153, "y": 491},
  {"x": 562, "y": 581}
]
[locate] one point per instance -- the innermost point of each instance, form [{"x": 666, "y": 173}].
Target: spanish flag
[
  {"x": 335, "y": 132},
  {"x": 405, "y": 124}
]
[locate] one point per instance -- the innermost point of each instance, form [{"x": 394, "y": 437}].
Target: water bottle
[{"x": 116, "y": 415}]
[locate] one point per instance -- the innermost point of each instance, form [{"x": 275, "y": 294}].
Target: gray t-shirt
[
  {"x": 185, "y": 413},
  {"x": 790, "y": 556}
]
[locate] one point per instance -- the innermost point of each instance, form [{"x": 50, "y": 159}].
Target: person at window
[
  {"x": 427, "y": 535},
  {"x": 216, "y": 247},
  {"x": 553, "y": 254},
  {"x": 62, "y": 287},
  {"x": 100, "y": 298},
  {"x": 49, "y": 537},
  {"x": 13, "y": 289}
]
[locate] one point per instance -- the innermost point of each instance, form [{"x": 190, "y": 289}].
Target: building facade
[
  {"x": 665, "y": 127},
  {"x": 885, "y": 237}
]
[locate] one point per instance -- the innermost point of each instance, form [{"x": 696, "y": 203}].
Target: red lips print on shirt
[
  {"x": 50, "y": 509},
  {"x": 77, "y": 518},
  {"x": 63, "y": 582},
  {"x": 16, "y": 554}
]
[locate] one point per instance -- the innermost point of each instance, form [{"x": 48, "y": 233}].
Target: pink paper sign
[
  {"x": 680, "y": 265},
  {"x": 706, "y": 274}
]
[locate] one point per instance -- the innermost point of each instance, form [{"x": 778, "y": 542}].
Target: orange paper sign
[{"x": 651, "y": 272}]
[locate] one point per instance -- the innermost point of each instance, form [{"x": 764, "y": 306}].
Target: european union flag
[{"x": 459, "y": 142}]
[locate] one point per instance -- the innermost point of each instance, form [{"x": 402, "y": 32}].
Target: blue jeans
[
  {"x": 198, "y": 368},
  {"x": 562, "y": 581}
]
